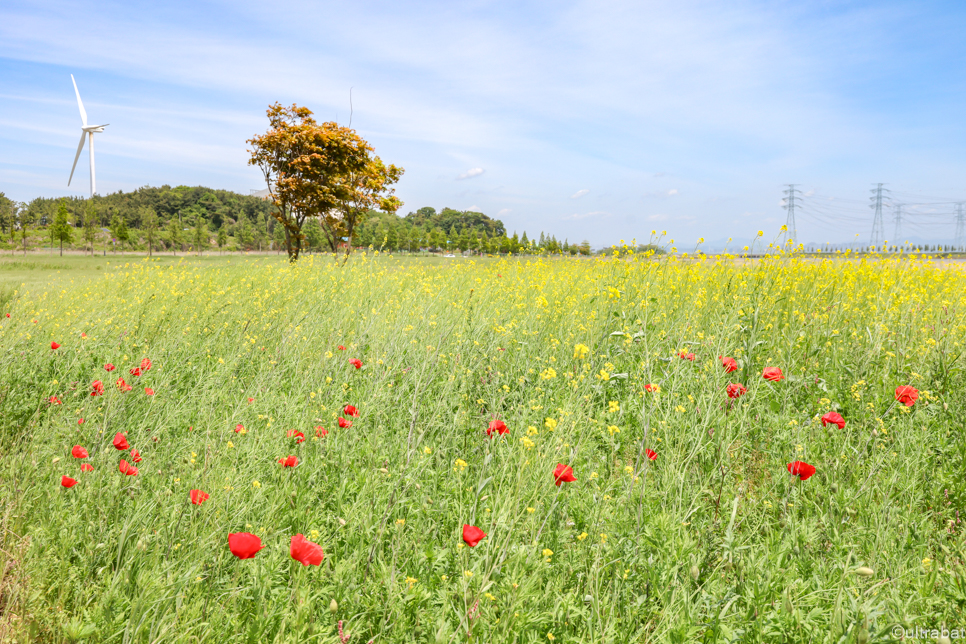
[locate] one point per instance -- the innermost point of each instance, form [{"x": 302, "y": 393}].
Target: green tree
[
  {"x": 278, "y": 237},
  {"x": 149, "y": 222},
  {"x": 61, "y": 230},
  {"x": 200, "y": 234},
  {"x": 246, "y": 235},
  {"x": 119, "y": 230},
  {"x": 90, "y": 223},
  {"x": 314, "y": 236},
  {"x": 326, "y": 171},
  {"x": 222, "y": 237},
  {"x": 25, "y": 217},
  {"x": 6, "y": 214},
  {"x": 174, "y": 234}
]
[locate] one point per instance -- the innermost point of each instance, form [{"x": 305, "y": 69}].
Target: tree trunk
[{"x": 61, "y": 247}]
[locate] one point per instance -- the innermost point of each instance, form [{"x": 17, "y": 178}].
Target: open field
[{"x": 682, "y": 522}]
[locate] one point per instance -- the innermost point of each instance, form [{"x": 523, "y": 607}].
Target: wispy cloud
[
  {"x": 579, "y": 194},
  {"x": 469, "y": 174},
  {"x": 662, "y": 194},
  {"x": 586, "y": 215}
]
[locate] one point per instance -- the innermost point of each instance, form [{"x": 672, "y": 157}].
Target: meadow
[{"x": 688, "y": 512}]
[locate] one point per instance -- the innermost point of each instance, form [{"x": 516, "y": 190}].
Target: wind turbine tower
[{"x": 87, "y": 131}]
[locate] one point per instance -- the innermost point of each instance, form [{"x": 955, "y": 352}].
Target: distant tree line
[{"x": 195, "y": 219}]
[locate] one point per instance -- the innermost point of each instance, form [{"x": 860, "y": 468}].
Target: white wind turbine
[{"x": 86, "y": 131}]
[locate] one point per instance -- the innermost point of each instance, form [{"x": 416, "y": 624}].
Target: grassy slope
[{"x": 713, "y": 540}]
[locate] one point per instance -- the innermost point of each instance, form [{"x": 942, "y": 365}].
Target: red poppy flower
[
  {"x": 305, "y": 552},
  {"x": 651, "y": 454},
  {"x": 109, "y": 367},
  {"x": 472, "y": 535},
  {"x": 772, "y": 374},
  {"x": 497, "y": 426},
  {"x": 321, "y": 431},
  {"x": 79, "y": 452},
  {"x": 251, "y": 400},
  {"x": 355, "y": 362},
  {"x": 299, "y": 436},
  {"x": 351, "y": 411},
  {"x": 135, "y": 456},
  {"x": 197, "y": 497},
  {"x": 244, "y": 545},
  {"x": 239, "y": 427},
  {"x": 127, "y": 468},
  {"x": 341, "y": 348},
  {"x": 136, "y": 371},
  {"x": 87, "y": 467},
  {"x": 735, "y": 390},
  {"x": 98, "y": 388},
  {"x": 343, "y": 423},
  {"x": 563, "y": 474},
  {"x": 832, "y": 418},
  {"x": 149, "y": 391},
  {"x": 290, "y": 461},
  {"x": 123, "y": 386},
  {"x": 54, "y": 346},
  {"x": 67, "y": 481},
  {"x": 83, "y": 335},
  {"x": 650, "y": 387},
  {"x": 907, "y": 395},
  {"x": 54, "y": 400},
  {"x": 80, "y": 421},
  {"x": 120, "y": 442},
  {"x": 686, "y": 356},
  {"x": 730, "y": 364},
  {"x": 801, "y": 469},
  {"x": 146, "y": 364}
]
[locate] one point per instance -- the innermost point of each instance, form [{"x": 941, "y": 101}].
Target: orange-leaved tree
[{"x": 322, "y": 171}]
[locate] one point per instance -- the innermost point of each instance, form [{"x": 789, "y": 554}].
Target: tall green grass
[{"x": 712, "y": 541}]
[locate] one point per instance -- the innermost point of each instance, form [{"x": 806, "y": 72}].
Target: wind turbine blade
[
  {"x": 79, "y": 103},
  {"x": 80, "y": 147}
]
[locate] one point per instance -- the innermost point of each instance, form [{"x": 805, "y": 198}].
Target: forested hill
[
  {"x": 248, "y": 220},
  {"x": 217, "y": 207}
]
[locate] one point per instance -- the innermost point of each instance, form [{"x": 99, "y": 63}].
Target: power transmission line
[
  {"x": 898, "y": 219},
  {"x": 790, "y": 193}
]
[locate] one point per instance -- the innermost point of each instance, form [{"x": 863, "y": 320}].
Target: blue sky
[{"x": 591, "y": 120}]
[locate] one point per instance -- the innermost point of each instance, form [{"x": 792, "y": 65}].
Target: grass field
[{"x": 683, "y": 523}]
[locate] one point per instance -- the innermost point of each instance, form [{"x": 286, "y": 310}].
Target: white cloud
[
  {"x": 579, "y": 194},
  {"x": 596, "y": 213},
  {"x": 658, "y": 217},
  {"x": 505, "y": 211},
  {"x": 472, "y": 172},
  {"x": 474, "y": 208},
  {"x": 661, "y": 194}
]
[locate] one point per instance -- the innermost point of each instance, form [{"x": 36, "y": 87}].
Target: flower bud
[
  {"x": 333, "y": 606},
  {"x": 864, "y": 571}
]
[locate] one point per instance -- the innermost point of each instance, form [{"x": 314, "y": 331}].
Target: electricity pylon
[
  {"x": 878, "y": 228},
  {"x": 960, "y": 226},
  {"x": 790, "y": 193}
]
